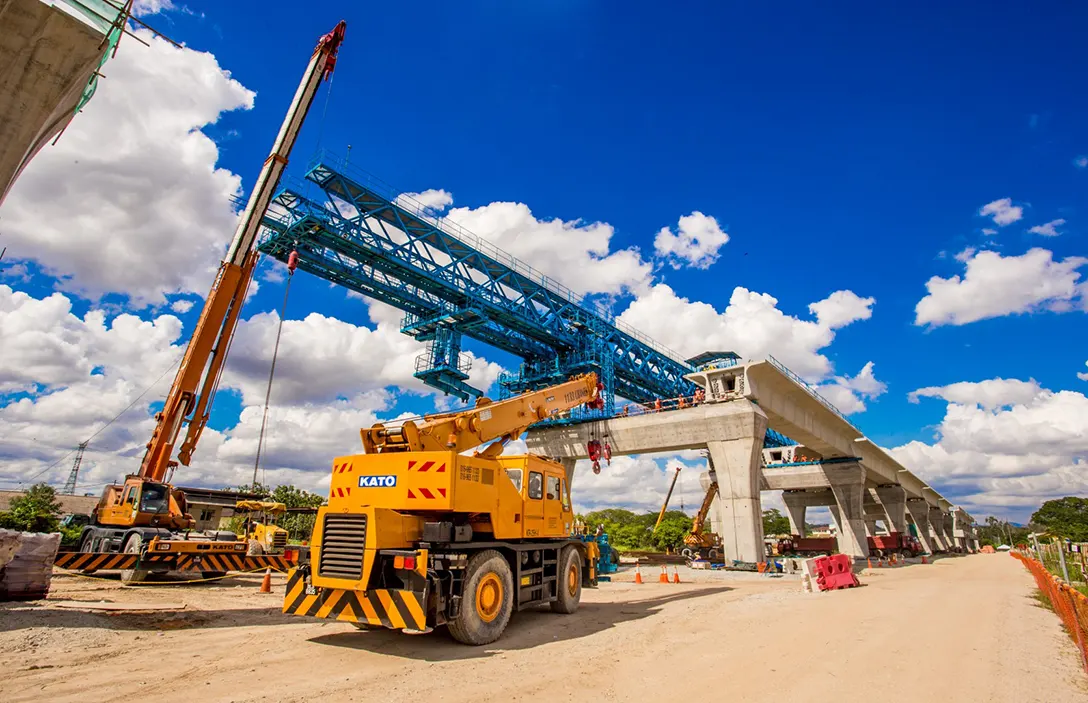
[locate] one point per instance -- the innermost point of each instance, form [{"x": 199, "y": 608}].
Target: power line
[{"x": 128, "y": 407}]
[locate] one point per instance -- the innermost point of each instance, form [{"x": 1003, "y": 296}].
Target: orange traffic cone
[
  {"x": 924, "y": 561},
  {"x": 675, "y": 575},
  {"x": 869, "y": 562},
  {"x": 638, "y": 573},
  {"x": 664, "y": 578},
  {"x": 266, "y": 583}
]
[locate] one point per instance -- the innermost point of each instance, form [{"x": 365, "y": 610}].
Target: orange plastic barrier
[{"x": 1070, "y": 604}]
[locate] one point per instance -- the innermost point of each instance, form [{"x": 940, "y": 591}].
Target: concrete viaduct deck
[
  {"x": 843, "y": 470},
  {"x": 47, "y": 58}
]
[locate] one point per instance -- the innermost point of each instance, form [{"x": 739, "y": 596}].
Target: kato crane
[
  {"x": 143, "y": 524},
  {"x": 419, "y": 533}
]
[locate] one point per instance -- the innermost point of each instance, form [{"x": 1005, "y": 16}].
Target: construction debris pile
[{"x": 26, "y": 564}]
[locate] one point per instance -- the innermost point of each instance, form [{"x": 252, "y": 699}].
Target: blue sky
[
  {"x": 846, "y": 148},
  {"x": 840, "y": 149}
]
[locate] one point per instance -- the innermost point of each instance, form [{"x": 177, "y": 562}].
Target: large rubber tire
[
  {"x": 713, "y": 554},
  {"x": 86, "y": 546},
  {"x": 254, "y": 548},
  {"x": 487, "y": 601},
  {"x": 614, "y": 557},
  {"x": 133, "y": 545},
  {"x": 569, "y": 583}
]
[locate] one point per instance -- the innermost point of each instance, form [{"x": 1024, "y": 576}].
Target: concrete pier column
[
  {"x": 737, "y": 465},
  {"x": 870, "y": 526},
  {"x": 893, "y": 502},
  {"x": 568, "y": 468},
  {"x": 796, "y": 508},
  {"x": 936, "y": 530},
  {"x": 849, "y": 514},
  {"x": 918, "y": 510}
]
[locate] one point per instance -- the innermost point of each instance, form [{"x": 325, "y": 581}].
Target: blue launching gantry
[{"x": 357, "y": 232}]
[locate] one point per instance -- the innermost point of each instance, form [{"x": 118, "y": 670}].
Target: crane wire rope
[
  {"x": 114, "y": 419},
  {"x": 271, "y": 375}
]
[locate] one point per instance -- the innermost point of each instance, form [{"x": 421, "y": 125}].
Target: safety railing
[
  {"x": 1070, "y": 604},
  {"x": 660, "y": 406},
  {"x": 435, "y": 218}
]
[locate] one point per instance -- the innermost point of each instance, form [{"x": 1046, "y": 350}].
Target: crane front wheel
[
  {"x": 133, "y": 545},
  {"x": 487, "y": 602}
]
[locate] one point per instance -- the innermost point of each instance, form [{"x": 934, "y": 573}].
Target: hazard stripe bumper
[
  {"x": 392, "y": 608},
  {"x": 79, "y": 561}
]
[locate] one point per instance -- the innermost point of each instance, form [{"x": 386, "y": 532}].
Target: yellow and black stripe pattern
[
  {"x": 378, "y": 606},
  {"x": 78, "y": 561}
]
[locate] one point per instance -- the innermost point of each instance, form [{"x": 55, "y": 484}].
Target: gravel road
[{"x": 963, "y": 628}]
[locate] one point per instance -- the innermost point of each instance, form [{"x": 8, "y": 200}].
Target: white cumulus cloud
[
  {"x": 143, "y": 210},
  {"x": 1048, "y": 229},
  {"x": 842, "y": 308},
  {"x": 1083, "y": 376},
  {"x": 1004, "y": 446},
  {"x": 751, "y": 325},
  {"x": 994, "y": 286},
  {"x": 849, "y": 394},
  {"x": 576, "y": 253},
  {"x": 1002, "y": 211},
  {"x": 695, "y": 243},
  {"x": 991, "y": 394},
  {"x": 1081, "y": 162}
]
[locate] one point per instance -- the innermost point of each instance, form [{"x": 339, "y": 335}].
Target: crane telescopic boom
[
  {"x": 665, "y": 505},
  {"x": 198, "y": 376},
  {"x": 490, "y": 420}
]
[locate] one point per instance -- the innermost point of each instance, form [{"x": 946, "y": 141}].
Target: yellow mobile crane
[
  {"x": 417, "y": 534},
  {"x": 699, "y": 543},
  {"x": 143, "y": 525}
]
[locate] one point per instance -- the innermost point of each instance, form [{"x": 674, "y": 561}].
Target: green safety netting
[{"x": 108, "y": 17}]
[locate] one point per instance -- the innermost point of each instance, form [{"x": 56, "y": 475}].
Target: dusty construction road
[{"x": 964, "y": 628}]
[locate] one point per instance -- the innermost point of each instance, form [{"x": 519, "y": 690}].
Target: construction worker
[{"x": 657, "y": 405}]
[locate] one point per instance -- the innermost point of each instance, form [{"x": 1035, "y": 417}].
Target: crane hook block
[{"x": 292, "y": 261}]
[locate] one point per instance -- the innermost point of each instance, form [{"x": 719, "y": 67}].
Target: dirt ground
[{"x": 963, "y": 628}]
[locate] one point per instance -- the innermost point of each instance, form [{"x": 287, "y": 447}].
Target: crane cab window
[
  {"x": 515, "y": 476},
  {"x": 154, "y": 498},
  {"x": 536, "y": 485},
  {"x": 563, "y": 495},
  {"x": 553, "y": 488},
  {"x": 130, "y": 495}
]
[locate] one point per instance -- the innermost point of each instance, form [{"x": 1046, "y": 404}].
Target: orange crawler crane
[
  {"x": 418, "y": 534},
  {"x": 143, "y": 525}
]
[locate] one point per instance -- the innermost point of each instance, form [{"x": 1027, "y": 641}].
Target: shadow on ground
[{"x": 527, "y": 629}]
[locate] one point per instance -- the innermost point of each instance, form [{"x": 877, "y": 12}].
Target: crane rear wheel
[
  {"x": 488, "y": 599},
  {"x": 569, "y": 586}
]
